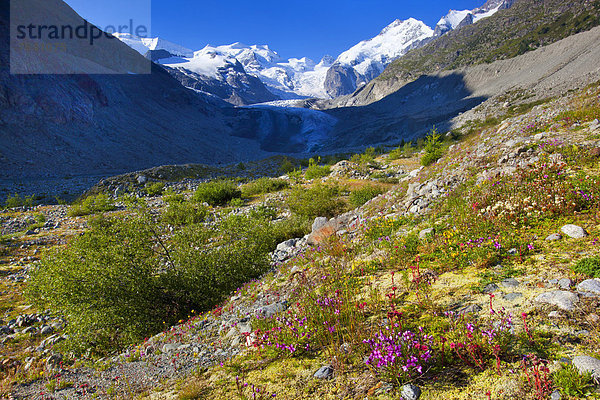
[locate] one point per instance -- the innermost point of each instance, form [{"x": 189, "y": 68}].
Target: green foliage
[
  {"x": 237, "y": 202},
  {"x": 364, "y": 194},
  {"x": 92, "y": 205},
  {"x": 287, "y": 166},
  {"x": 405, "y": 150},
  {"x": 184, "y": 213},
  {"x": 171, "y": 197},
  {"x": 264, "y": 185},
  {"x": 18, "y": 201},
  {"x": 317, "y": 201},
  {"x": 216, "y": 193},
  {"x": 315, "y": 171},
  {"x": 571, "y": 383},
  {"x": 105, "y": 284},
  {"x": 155, "y": 189},
  {"x": 589, "y": 266},
  {"x": 433, "y": 148},
  {"x": 122, "y": 280},
  {"x": 366, "y": 158}
]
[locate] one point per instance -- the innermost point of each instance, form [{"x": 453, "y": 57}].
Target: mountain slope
[
  {"x": 56, "y": 125},
  {"x": 527, "y": 25},
  {"x": 366, "y": 60}
]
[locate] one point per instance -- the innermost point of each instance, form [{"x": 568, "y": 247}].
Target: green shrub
[
  {"x": 287, "y": 166},
  {"x": 589, "y": 266},
  {"x": 315, "y": 171},
  {"x": 572, "y": 384},
  {"x": 264, "y": 185},
  {"x": 318, "y": 201},
  {"x": 122, "y": 280},
  {"x": 18, "y": 201},
  {"x": 405, "y": 150},
  {"x": 433, "y": 148},
  {"x": 365, "y": 158},
  {"x": 105, "y": 284},
  {"x": 155, "y": 189},
  {"x": 364, "y": 194},
  {"x": 171, "y": 197},
  {"x": 217, "y": 193},
  {"x": 92, "y": 205},
  {"x": 184, "y": 213},
  {"x": 237, "y": 202}
]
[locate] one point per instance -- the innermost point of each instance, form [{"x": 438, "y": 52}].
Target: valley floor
[{"x": 473, "y": 277}]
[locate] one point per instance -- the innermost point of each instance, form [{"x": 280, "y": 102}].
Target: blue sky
[{"x": 293, "y": 28}]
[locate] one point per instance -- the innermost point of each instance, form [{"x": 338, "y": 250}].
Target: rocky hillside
[
  {"x": 463, "y": 266},
  {"x": 524, "y": 27}
]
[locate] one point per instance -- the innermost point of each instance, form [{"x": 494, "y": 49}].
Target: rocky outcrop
[
  {"x": 232, "y": 84},
  {"x": 340, "y": 80}
]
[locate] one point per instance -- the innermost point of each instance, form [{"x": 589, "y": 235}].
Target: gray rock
[
  {"x": 54, "y": 361},
  {"x": 169, "y": 347},
  {"x": 587, "y": 364},
  {"x": 553, "y": 281},
  {"x": 554, "y": 237},
  {"x": 590, "y": 286},
  {"x": 46, "y": 330},
  {"x": 565, "y": 283},
  {"x": 492, "y": 287},
  {"x": 271, "y": 309},
  {"x": 319, "y": 223},
  {"x": 287, "y": 245},
  {"x": 471, "y": 308},
  {"x": 510, "y": 283},
  {"x": 410, "y": 392},
  {"x": 513, "y": 296},
  {"x": 560, "y": 298},
  {"x": 555, "y": 314},
  {"x": 574, "y": 231},
  {"x": 555, "y": 395},
  {"x": 325, "y": 372},
  {"x": 141, "y": 179},
  {"x": 426, "y": 232},
  {"x": 512, "y": 251}
]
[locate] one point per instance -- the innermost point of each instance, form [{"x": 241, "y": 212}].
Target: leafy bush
[
  {"x": 217, "y": 193},
  {"x": 362, "y": 195},
  {"x": 433, "y": 148},
  {"x": 184, "y": 213},
  {"x": 18, "y": 201},
  {"x": 365, "y": 158},
  {"x": 315, "y": 170},
  {"x": 588, "y": 266},
  {"x": 155, "y": 189},
  {"x": 318, "y": 201},
  {"x": 92, "y": 205},
  {"x": 405, "y": 150},
  {"x": 264, "y": 185},
  {"x": 122, "y": 280},
  {"x": 105, "y": 284},
  {"x": 287, "y": 166},
  {"x": 572, "y": 384}
]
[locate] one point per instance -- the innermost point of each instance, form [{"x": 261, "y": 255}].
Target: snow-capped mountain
[
  {"x": 249, "y": 68},
  {"x": 456, "y": 19},
  {"x": 367, "y": 60},
  {"x": 143, "y": 45}
]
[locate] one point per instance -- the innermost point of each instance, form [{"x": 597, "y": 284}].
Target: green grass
[{"x": 264, "y": 185}]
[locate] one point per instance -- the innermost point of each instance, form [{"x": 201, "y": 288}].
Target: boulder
[
  {"x": 574, "y": 231},
  {"x": 560, "y": 298},
  {"x": 587, "y": 364},
  {"x": 590, "y": 287}
]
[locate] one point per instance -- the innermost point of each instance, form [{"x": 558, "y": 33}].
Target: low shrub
[
  {"x": 589, "y": 266},
  {"x": 18, "y": 201},
  {"x": 264, "y": 185},
  {"x": 217, "y": 193},
  {"x": 184, "y": 213},
  {"x": 362, "y": 195},
  {"x": 92, "y": 205},
  {"x": 315, "y": 171},
  {"x": 155, "y": 189},
  {"x": 317, "y": 201},
  {"x": 571, "y": 383},
  {"x": 122, "y": 280}
]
